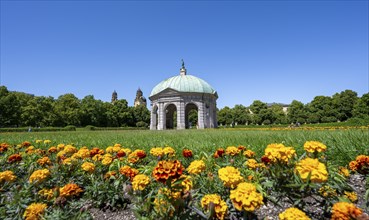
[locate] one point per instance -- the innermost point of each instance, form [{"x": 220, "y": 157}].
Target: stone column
[
  {"x": 181, "y": 124},
  {"x": 161, "y": 117},
  {"x": 201, "y": 119},
  {"x": 153, "y": 122}
]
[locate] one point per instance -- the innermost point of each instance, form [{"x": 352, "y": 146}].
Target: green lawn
[{"x": 343, "y": 145}]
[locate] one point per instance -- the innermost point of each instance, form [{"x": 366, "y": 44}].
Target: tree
[
  {"x": 92, "y": 112},
  {"x": 297, "y": 112},
  {"x": 361, "y": 107},
  {"x": 241, "y": 114},
  {"x": 10, "y": 108},
  {"x": 257, "y": 106},
  {"x": 225, "y": 116},
  {"x": 344, "y": 103},
  {"x": 141, "y": 116},
  {"x": 322, "y": 107},
  {"x": 278, "y": 115},
  {"x": 67, "y": 108}
]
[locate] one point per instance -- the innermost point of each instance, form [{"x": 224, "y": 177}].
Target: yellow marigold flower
[
  {"x": 230, "y": 176},
  {"x": 44, "y": 161},
  {"x": 245, "y": 197},
  {"x": 7, "y": 176},
  {"x": 60, "y": 147},
  {"x": 352, "y": 196},
  {"x": 279, "y": 152},
  {"x": 47, "y": 193},
  {"x": 83, "y": 153},
  {"x": 38, "y": 141},
  {"x": 345, "y": 211},
  {"x": 167, "y": 169},
  {"x": 110, "y": 174},
  {"x": 232, "y": 150},
  {"x": 30, "y": 149},
  {"x": 186, "y": 182},
  {"x": 196, "y": 167},
  {"x": 39, "y": 175},
  {"x": 69, "y": 150},
  {"x": 169, "y": 151},
  {"x": 70, "y": 189},
  {"x": 162, "y": 205},
  {"x": 318, "y": 170},
  {"x": 47, "y": 141},
  {"x": 314, "y": 146},
  {"x": 34, "y": 211},
  {"x": 107, "y": 159},
  {"x": 327, "y": 191},
  {"x": 109, "y": 150},
  {"x": 249, "y": 153},
  {"x": 127, "y": 150},
  {"x": 220, "y": 206},
  {"x": 128, "y": 171},
  {"x": 157, "y": 152},
  {"x": 88, "y": 167},
  {"x": 252, "y": 164},
  {"x": 292, "y": 214},
  {"x": 344, "y": 171},
  {"x": 97, "y": 157},
  {"x": 69, "y": 161},
  {"x": 140, "y": 182}
]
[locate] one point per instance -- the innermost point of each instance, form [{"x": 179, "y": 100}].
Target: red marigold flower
[
  {"x": 265, "y": 159},
  {"x": 187, "y": 153},
  {"x": 219, "y": 153},
  {"x": 95, "y": 151},
  {"x": 121, "y": 153},
  {"x": 128, "y": 171},
  {"x": 4, "y": 147},
  {"x": 140, "y": 154},
  {"x": 241, "y": 147},
  {"x": 167, "y": 169},
  {"x": 14, "y": 158}
]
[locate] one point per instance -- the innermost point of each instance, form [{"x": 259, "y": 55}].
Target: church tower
[
  {"x": 140, "y": 99},
  {"x": 114, "y": 97}
]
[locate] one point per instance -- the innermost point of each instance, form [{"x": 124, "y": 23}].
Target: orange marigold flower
[
  {"x": 292, "y": 214},
  {"x": 34, "y": 211},
  {"x": 344, "y": 171},
  {"x": 249, "y": 153},
  {"x": 214, "y": 201},
  {"x": 128, "y": 171},
  {"x": 345, "y": 211},
  {"x": 353, "y": 165},
  {"x": 167, "y": 170},
  {"x": 26, "y": 144},
  {"x": 95, "y": 151},
  {"x": 110, "y": 174},
  {"x": 69, "y": 190},
  {"x": 241, "y": 148},
  {"x": 361, "y": 164},
  {"x": 4, "y": 147},
  {"x": 187, "y": 153},
  {"x": 219, "y": 153},
  {"x": 14, "y": 158},
  {"x": 44, "y": 161},
  {"x": 52, "y": 149}
]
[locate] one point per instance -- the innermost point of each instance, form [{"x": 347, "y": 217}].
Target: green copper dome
[{"x": 184, "y": 83}]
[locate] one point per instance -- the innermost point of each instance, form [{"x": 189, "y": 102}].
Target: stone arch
[
  {"x": 190, "y": 107},
  {"x": 170, "y": 112},
  {"x": 154, "y": 117}
]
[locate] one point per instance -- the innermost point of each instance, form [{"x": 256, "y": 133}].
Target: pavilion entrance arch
[
  {"x": 190, "y": 110},
  {"x": 170, "y": 116}
]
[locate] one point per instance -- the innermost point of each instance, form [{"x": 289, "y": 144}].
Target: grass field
[{"x": 343, "y": 145}]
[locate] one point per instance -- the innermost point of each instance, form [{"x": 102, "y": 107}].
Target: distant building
[
  {"x": 140, "y": 99},
  {"x": 114, "y": 96}
]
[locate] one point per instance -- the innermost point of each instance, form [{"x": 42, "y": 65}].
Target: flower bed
[{"x": 42, "y": 180}]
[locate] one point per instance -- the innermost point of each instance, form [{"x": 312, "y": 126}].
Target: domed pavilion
[{"x": 174, "y": 98}]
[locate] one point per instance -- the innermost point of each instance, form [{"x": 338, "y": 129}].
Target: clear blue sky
[{"x": 273, "y": 51}]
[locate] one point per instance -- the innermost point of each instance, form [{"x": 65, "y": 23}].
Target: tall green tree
[
  {"x": 10, "y": 108},
  {"x": 241, "y": 114},
  {"x": 344, "y": 104},
  {"x": 361, "y": 107},
  {"x": 68, "y": 110},
  {"x": 141, "y": 116},
  {"x": 323, "y": 108},
  {"x": 297, "y": 112},
  {"x": 225, "y": 116},
  {"x": 93, "y": 112}
]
